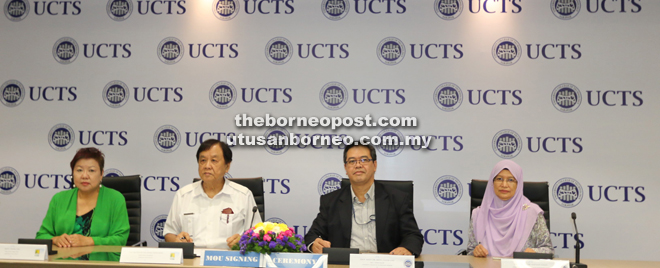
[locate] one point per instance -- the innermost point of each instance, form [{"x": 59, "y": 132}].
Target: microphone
[
  {"x": 577, "y": 263},
  {"x": 254, "y": 210}
]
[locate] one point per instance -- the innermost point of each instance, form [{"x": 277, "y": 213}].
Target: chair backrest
[
  {"x": 535, "y": 191},
  {"x": 130, "y": 187},
  {"x": 256, "y": 185},
  {"x": 404, "y": 186}
]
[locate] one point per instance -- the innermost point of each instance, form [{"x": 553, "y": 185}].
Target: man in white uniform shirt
[{"x": 213, "y": 212}]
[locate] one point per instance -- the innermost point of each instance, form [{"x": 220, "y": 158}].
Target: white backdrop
[{"x": 597, "y": 151}]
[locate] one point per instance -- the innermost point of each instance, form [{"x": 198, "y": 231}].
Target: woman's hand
[
  {"x": 480, "y": 251},
  {"x": 77, "y": 240},
  {"x": 74, "y": 240},
  {"x": 61, "y": 241},
  {"x": 530, "y": 250}
]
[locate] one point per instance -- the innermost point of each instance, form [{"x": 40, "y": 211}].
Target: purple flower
[
  {"x": 262, "y": 243},
  {"x": 291, "y": 245},
  {"x": 272, "y": 244},
  {"x": 304, "y": 247}
]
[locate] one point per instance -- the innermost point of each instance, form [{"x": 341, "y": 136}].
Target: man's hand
[
  {"x": 319, "y": 244},
  {"x": 400, "y": 251},
  {"x": 233, "y": 240},
  {"x": 480, "y": 251},
  {"x": 183, "y": 237}
]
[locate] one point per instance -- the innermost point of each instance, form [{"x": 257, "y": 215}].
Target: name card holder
[
  {"x": 529, "y": 263},
  {"x": 23, "y": 252},
  {"x": 231, "y": 258},
  {"x": 381, "y": 261},
  {"x": 296, "y": 260},
  {"x": 151, "y": 255}
]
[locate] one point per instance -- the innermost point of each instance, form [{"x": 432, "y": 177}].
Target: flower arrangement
[{"x": 267, "y": 237}]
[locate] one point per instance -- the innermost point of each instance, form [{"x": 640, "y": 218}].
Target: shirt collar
[
  {"x": 226, "y": 189},
  {"x": 369, "y": 195}
]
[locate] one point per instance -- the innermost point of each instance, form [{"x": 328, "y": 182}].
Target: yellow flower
[
  {"x": 283, "y": 227},
  {"x": 268, "y": 226},
  {"x": 259, "y": 225}
]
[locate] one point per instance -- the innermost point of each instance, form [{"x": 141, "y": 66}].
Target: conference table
[{"x": 64, "y": 255}]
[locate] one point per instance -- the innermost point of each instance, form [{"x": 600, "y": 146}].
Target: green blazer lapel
[{"x": 69, "y": 217}]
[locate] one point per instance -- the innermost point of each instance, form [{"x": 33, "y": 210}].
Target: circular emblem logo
[
  {"x": 170, "y": 50},
  {"x": 507, "y": 144},
  {"x": 112, "y": 172},
  {"x": 333, "y": 96},
  {"x": 119, "y": 10},
  {"x": 222, "y": 95},
  {"x": 335, "y": 9},
  {"x": 506, "y": 51},
  {"x": 116, "y": 94},
  {"x": 391, "y": 142},
  {"x": 13, "y": 93},
  {"x": 9, "y": 180},
  {"x": 448, "y": 9},
  {"x": 279, "y": 50},
  {"x": 329, "y": 183},
  {"x": 408, "y": 263},
  {"x": 167, "y": 139},
  {"x": 447, "y": 190},
  {"x": 16, "y": 10},
  {"x": 566, "y": 98},
  {"x": 448, "y": 97},
  {"x": 565, "y": 9},
  {"x": 274, "y": 136},
  {"x": 276, "y": 220},
  {"x": 225, "y": 9},
  {"x": 391, "y": 51},
  {"x": 65, "y": 50},
  {"x": 158, "y": 228},
  {"x": 61, "y": 137},
  {"x": 567, "y": 192}
]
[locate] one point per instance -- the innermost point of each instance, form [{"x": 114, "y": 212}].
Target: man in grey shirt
[{"x": 367, "y": 215}]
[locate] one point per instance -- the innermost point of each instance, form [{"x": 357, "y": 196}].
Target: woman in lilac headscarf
[{"x": 507, "y": 221}]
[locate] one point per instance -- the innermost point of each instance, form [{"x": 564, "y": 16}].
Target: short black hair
[
  {"x": 371, "y": 148},
  {"x": 207, "y": 144}
]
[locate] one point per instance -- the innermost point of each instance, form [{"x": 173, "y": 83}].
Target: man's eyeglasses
[{"x": 362, "y": 161}]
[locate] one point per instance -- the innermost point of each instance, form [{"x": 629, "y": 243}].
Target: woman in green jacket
[{"x": 87, "y": 214}]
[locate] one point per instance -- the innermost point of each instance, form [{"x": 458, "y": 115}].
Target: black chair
[
  {"x": 256, "y": 185},
  {"x": 535, "y": 191},
  {"x": 404, "y": 186},
  {"x": 130, "y": 187}
]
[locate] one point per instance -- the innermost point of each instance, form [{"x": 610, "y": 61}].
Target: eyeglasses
[
  {"x": 372, "y": 217},
  {"x": 501, "y": 180},
  {"x": 362, "y": 161}
]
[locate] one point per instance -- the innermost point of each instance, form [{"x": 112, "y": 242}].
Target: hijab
[{"x": 503, "y": 227}]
